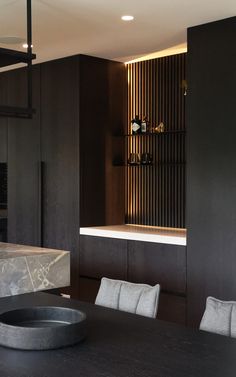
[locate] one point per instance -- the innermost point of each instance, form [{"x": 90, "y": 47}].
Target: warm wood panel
[
  {"x": 211, "y": 178},
  {"x": 103, "y": 257},
  {"x": 156, "y": 193},
  {"x": 154, "y": 263}
]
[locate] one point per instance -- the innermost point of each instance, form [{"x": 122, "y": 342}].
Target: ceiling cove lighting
[
  {"x": 127, "y": 18},
  {"x": 178, "y": 49}
]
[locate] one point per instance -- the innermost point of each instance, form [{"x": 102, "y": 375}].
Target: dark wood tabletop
[{"x": 121, "y": 345}]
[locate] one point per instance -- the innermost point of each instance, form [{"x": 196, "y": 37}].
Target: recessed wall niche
[{"x": 155, "y": 191}]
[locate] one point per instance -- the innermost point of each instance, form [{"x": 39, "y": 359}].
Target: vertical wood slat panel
[{"x": 155, "y": 194}]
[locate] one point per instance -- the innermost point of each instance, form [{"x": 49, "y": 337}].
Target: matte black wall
[{"x": 211, "y": 178}]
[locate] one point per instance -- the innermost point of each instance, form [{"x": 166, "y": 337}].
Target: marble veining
[{"x": 26, "y": 269}]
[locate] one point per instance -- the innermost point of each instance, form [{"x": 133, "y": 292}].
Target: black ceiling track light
[{"x": 10, "y": 57}]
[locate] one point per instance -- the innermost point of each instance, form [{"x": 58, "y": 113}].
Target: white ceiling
[{"x": 93, "y": 27}]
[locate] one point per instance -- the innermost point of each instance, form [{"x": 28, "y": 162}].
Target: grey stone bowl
[{"x": 42, "y": 327}]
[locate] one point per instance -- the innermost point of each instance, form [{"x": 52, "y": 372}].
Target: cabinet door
[
  {"x": 3, "y": 162},
  {"x": 172, "y": 308},
  {"x": 3, "y": 120},
  {"x": 24, "y": 162},
  {"x": 60, "y": 143},
  {"x": 154, "y": 263},
  {"x": 211, "y": 183},
  {"x": 88, "y": 289},
  {"x": 102, "y": 85},
  {"x": 103, "y": 257}
]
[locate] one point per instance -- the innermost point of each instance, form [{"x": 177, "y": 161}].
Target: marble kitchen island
[{"x": 25, "y": 269}]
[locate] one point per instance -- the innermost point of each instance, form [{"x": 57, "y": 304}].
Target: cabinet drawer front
[
  {"x": 154, "y": 263},
  {"x": 172, "y": 308},
  {"x": 88, "y": 289},
  {"x": 103, "y": 257}
]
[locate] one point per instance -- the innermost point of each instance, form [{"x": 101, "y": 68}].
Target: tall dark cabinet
[
  {"x": 20, "y": 151},
  {"x": 82, "y": 102},
  {"x": 211, "y": 179},
  {"x": 102, "y": 116},
  {"x": 60, "y": 155},
  {"x": 24, "y": 175},
  {"x": 3, "y": 164},
  {"x": 60, "y": 163}
]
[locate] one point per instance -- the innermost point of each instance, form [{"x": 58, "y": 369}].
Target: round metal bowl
[{"x": 42, "y": 327}]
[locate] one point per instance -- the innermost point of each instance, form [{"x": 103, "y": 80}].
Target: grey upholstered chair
[
  {"x": 140, "y": 299},
  {"x": 219, "y": 317}
]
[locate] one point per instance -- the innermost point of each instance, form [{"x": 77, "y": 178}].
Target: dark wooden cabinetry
[
  {"x": 3, "y": 163},
  {"x": 60, "y": 163},
  {"x": 103, "y": 257},
  {"x": 88, "y": 289},
  {"x": 20, "y": 149},
  {"x": 82, "y": 104},
  {"x": 135, "y": 261},
  {"x": 60, "y": 155},
  {"x": 3, "y": 121},
  {"x": 211, "y": 179},
  {"x": 172, "y": 308},
  {"x": 154, "y": 262}
]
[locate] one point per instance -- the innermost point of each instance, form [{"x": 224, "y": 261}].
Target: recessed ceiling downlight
[{"x": 127, "y": 18}]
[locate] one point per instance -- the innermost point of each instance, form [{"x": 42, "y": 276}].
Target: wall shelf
[
  {"x": 151, "y": 165},
  {"x": 153, "y": 134}
]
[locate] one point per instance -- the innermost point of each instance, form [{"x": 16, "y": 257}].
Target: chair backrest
[
  {"x": 219, "y": 317},
  {"x": 140, "y": 299}
]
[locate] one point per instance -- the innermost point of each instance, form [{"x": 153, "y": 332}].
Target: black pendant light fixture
[{"x": 10, "y": 57}]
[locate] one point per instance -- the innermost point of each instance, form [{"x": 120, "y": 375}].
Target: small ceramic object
[{"x": 160, "y": 128}]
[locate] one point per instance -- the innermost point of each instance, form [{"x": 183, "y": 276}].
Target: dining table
[{"x": 120, "y": 344}]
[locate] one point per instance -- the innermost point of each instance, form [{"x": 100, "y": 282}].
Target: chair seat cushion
[
  {"x": 218, "y": 317},
  {"x": 140, "y": 299}
]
